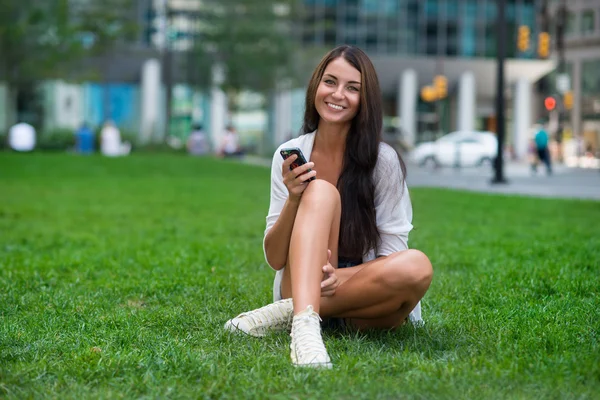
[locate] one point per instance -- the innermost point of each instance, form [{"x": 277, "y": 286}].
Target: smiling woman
[
  {"x": 339, "y": 243},
  {"x": 338, "y": 95}
]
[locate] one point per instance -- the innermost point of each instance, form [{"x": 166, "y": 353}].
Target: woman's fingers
[
  {"x": 303, "y": 168},
  {"x": 296, "y": 180},
  {"x": 330, "y": 281},
  {"x": 331, "y": 277},
  {"x": 301, "y": 179},
  {"x": 287, "y": 162}
]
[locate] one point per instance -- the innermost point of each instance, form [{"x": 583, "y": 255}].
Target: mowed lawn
[{"x": 117, "y": 275}]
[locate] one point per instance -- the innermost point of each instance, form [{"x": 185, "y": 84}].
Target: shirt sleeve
[
  {"x": 392, "y": 204},
  {"x": 279, "y": 195}
]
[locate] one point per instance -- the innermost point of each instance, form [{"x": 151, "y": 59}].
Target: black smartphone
[{"x": 300, "y": 160}]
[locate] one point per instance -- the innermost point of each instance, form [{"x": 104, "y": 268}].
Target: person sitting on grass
[
  {"x": 230, "y": 144},
  {"x": 339, "y": 243}
]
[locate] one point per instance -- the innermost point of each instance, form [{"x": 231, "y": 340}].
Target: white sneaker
[
  {"x": 307, "y": 348},
  {"x": 274, "y": 317}
]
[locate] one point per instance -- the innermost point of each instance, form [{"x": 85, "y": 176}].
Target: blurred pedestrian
[
  {"x": 543, "y": 152},
  {"x": 197, "y": 144},
  {"x": 532, "y": 156},
  {"x": 84, "y": 140},
  {"x": 230, "y": 144},
  {"x": 339, "y": 243},
  {"x": 110, "y": 141},
  {"x": 21, "y": 137}
]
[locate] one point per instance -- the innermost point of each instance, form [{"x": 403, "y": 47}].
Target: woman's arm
[
  {"x": 286, "y": 190},
  {"x": 277, "y": 239},
  {"x": 392, "y": 203}
]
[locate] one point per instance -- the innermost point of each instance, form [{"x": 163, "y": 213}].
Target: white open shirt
[{"x": 392, "y": 205}]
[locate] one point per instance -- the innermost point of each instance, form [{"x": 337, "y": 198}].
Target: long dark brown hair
[{"x": 358, "y": 228}]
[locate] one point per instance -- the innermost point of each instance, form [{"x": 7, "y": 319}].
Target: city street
[
  {"x": 568, "y": 183},
  {"x": 564, "y": 183}
]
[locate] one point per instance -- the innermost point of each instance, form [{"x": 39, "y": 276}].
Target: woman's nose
[{"x": 338, "y": 94}]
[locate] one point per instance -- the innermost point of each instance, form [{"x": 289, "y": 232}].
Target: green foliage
[
  {"x": 251, "y": 39},
  {"x": 46, "y": 39},
  {"x": 3, "y": 140},
  {"x": 56, "y": 140},
  {"x": 118, "y": 274}
]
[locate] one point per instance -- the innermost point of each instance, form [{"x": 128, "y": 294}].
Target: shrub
[{"x": 56, "y": 140}]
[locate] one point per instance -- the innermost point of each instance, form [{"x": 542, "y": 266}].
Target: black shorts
[{"x": 339, "y": 324}]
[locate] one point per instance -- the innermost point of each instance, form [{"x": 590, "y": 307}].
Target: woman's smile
[{"x": 336, "y": 106}]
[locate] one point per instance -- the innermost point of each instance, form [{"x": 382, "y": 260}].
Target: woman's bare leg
[
  {"x": 316, "y": 230},
  {"x": 380, "y": 293}
]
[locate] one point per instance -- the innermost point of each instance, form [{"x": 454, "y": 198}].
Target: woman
[{"x": 339, "y": 243}]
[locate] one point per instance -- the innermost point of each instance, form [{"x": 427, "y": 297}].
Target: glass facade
[
  {"x": 590, "y": 88},
  {"x": 571, "y": 23},
  {"x": 455, "y": 28},
  {"x": 587, "y": 22}
]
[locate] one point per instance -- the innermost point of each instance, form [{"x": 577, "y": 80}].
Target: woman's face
[{"x": 338, "y": 95}]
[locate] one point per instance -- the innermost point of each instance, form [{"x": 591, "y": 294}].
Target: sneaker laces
[
  {"x": 268, "y": 316},
  {"x": 306, "y": 332}
]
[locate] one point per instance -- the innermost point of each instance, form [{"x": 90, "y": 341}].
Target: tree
[
  {"x": 251, "y": 40},
  {"x": 48, "y": 39}
]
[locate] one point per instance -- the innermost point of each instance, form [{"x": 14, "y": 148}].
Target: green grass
[{"x": 116, "y": 276}]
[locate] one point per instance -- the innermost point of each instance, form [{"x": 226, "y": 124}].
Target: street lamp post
[
  {"x": 560, "y": 47},
  {"x": 500, "y": 56}
]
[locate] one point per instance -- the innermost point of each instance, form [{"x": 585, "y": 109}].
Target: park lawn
[{"x": 117, "y": 275}]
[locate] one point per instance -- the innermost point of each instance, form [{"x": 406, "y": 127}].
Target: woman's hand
[
  {"x": 330, "y": 280},
  {"x": 296, "y": 179}
]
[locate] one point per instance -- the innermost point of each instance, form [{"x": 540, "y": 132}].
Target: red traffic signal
[{"x": 549, "y": 103}]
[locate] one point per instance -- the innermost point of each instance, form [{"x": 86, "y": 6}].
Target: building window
[
  {"x": 590, "y": 80},
  {"x": 369, "y": 6},
  {"x": 490, "y": 41},
  {"x": 468, "y": 29},
  {"x": 587, "y": 22},
  {"x": 432, "y": 8},
  {"x": 432, "y": 35},
  {"x": 452, "y": 10},
  {"x": 571, "y": 27}
]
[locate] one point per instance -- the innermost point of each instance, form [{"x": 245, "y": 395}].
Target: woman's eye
[
  {"x": 353, "y": 88},
  {"x": 329, "y": 81}
]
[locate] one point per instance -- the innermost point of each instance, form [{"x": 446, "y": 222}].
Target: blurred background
[{"x": 162, "y": 69}]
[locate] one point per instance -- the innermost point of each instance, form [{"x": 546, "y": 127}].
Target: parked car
[
  {"x": 462, "y": 148},
  {"x": 395, "y": 137}
]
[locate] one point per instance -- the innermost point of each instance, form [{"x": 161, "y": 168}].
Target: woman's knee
[
  {"x": 409, "y": 268},
  {"x": 320, "y": 192}
]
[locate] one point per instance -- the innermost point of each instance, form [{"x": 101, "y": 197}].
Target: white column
[
  {"x": 522, "y": 117},
  {"x": 283, "y": 116},
  {"x": 69, "y": 100},
  {"x": 298, "y": 100},
  {"x": 466, "y": 102},
  {"x": 407, "y": 105},
  {"x": 150, "y": 96},
  {"x": 218, "y": 107}
]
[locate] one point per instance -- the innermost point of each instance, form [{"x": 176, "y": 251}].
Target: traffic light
[
  {"x": 550, "y": 103},
  {"x": 523, "y": 39},
  {"x": 440, "y": 83},
  {"x": 568, "y": 100},
  {"x": 428, "y": 94},
  {"x": 544, "y": 44}
]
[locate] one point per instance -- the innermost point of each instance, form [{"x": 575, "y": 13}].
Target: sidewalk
[
  {"x": 574, "y": 183},
  {"x": 564, "y": 183}
]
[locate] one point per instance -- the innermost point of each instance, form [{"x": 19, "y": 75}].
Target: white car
[{"x": 462, "y": 148}]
